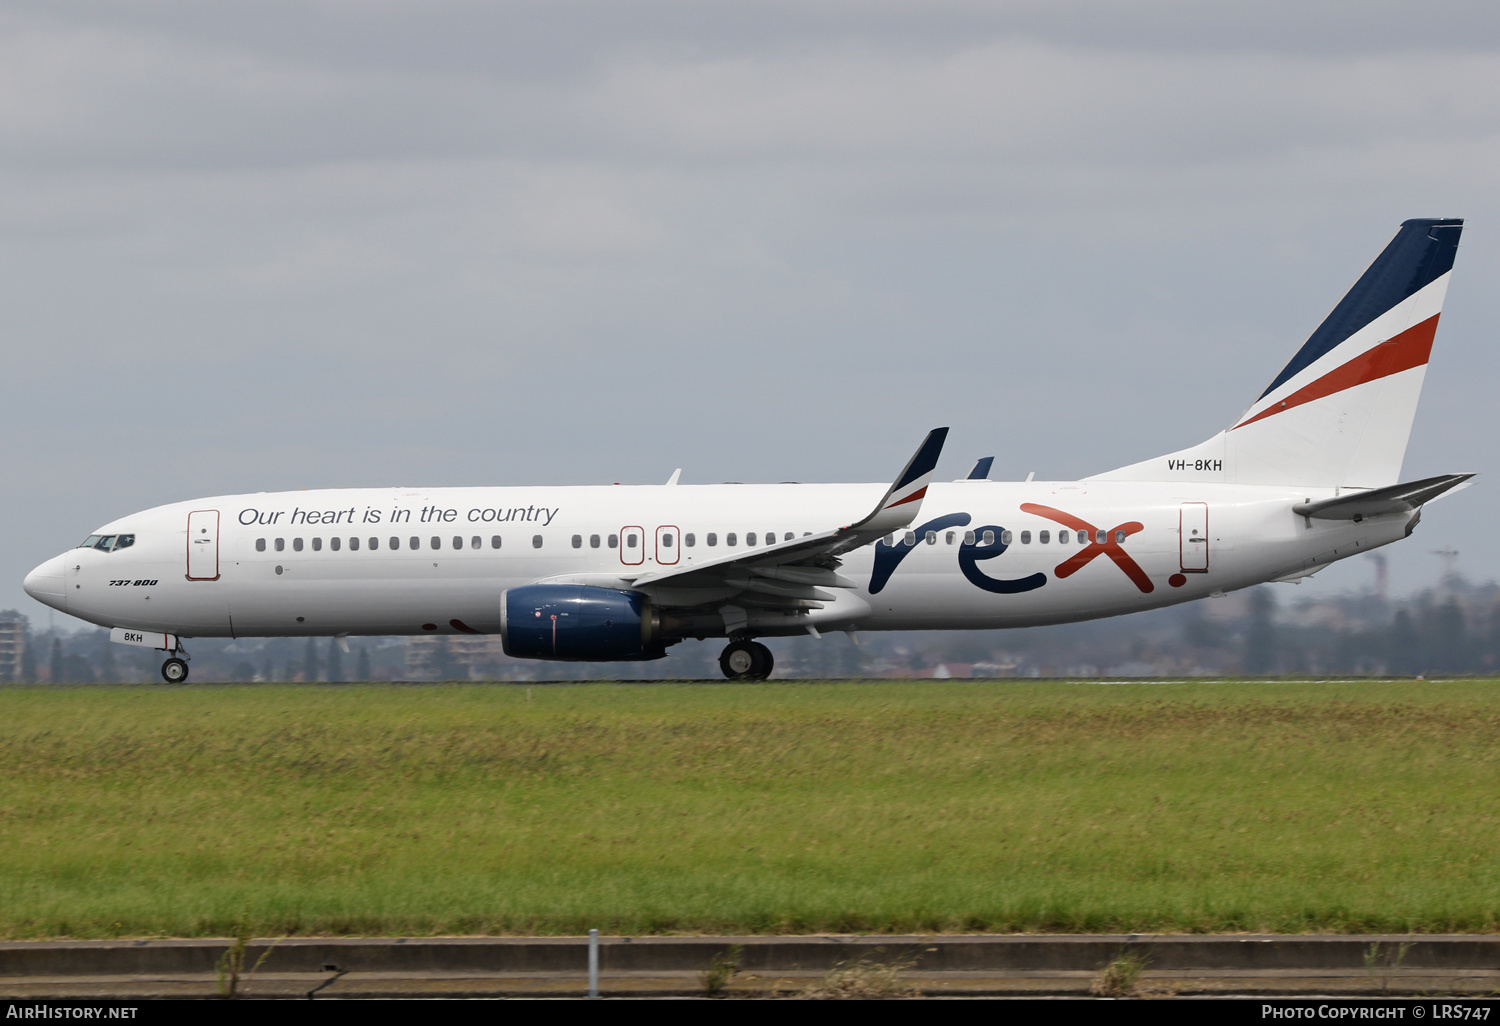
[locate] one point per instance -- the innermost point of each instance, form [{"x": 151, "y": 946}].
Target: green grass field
[{"x": 771, "y": 808}]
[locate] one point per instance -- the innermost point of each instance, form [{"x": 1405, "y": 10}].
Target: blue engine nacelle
[{"x": 577, "y": 622}]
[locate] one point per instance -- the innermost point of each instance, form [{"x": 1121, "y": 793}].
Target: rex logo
[
  {"x": 888, "y": 557},
  {"x": 1109, "y": 545}
]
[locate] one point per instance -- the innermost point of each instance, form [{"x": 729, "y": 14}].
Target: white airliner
[{"x": 1305, "y": 476}]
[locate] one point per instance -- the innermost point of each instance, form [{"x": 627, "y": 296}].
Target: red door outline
[
  {"x": 639, "y": 550},
  {"x": 205, "y": 556},
  {"x": 673, "y": 550},
  {"x": 1192, "y": 522}
]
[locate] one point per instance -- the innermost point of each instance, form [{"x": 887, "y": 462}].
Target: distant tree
[
  {"x": 1449, "y": 638},
  {"x": 28, "y": 659},
  {"x": 1260, "y": 638},
  {"x": 1404, "y": 656},
  {"x": 1492, "y": 641},
  {"x": 310, "y": 661},
  {"x": 445, "y": 667},
  {"x": 362, "y": 667},
  {"x": 107, "y": 669},
  {"x": 243, "y": 671},
  {"x": 77, "y": 670},
  {"x": 55, "y": 663},
  {"x": 335, "y": 660}
]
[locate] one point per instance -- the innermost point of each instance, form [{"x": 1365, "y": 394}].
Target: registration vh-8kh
[{"x": 1307, "y": 475}]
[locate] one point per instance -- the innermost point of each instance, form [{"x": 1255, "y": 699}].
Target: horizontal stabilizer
[{"x": 1398, "y": 498}]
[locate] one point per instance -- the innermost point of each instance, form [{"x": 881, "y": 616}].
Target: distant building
[
  {"x": 12, "y": 644},
  {"x": 453, "y": 656}
]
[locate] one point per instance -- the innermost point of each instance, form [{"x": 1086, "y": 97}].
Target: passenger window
[
  {"x": 614, "y": 540},
  {"x": 593, "y": 541},
  {"x": 713, "y": 539},
  {"x": 458, "y": 542},
  {"x": 415, "y": 542},
  {"x": 1062, "y": 537},
  {"x": 1006, "y": 537},
  {"x": 124, "y": 542},
  {"x": 630, "y": 540},
  {"x": 536, "y": 541},
  {"x": 260, "y": 545},
  {"x": 989, "y": 538},
  {"x": 578, "y": 541},
  {"x": 296, "y": 544},
  {"x": 317, "y": 544},
  {"x": 666, "y": 541},
  {"x": 395, "y": 545},
  {"x": 931, "y": 538},
  {"x": 436, "y": 542},
  {"x": 788, "y": 536},
  {"x": 1043, "y": 537},
  {"x": 476, "y": 542},
  {"x": 730, "y": 539},
  {"x": 910, "y": 538},
  {"x": 949, "y": 538},
  {"x": 1119, "y": 537},
  {"x": 494, "y": 541},
  {"x": 749, "y": 538},
  {"x": 689, "y": 540},
  {"x": 1025, "y": 537},
  {"x": 353, "y": 544},
  {"x": 968, "y": 537},
  {"x": 333, "y": 543},
  {"x": 374, "y": 544},
  {"x": 280, "y": 544}
]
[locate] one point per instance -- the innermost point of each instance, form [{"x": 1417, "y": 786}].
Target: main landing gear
[
  {"x": 746, "y": 660},
  {"x": 174, "y": 671}
]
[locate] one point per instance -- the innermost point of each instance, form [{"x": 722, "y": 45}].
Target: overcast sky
[{"x": 265, "y": 245}]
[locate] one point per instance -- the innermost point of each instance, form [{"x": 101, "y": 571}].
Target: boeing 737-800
[{"x": 1307, "y": 475}]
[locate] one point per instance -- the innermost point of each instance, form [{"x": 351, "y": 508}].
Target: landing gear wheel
[
  {"x": 746, "y": 660},
  {"x": 174, "y": 671}
]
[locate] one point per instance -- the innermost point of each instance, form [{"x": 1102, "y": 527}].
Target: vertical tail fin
[{"x": 1340, "y": 413}]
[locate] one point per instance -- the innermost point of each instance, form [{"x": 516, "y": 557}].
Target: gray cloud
[{"x": 263, "y": 246}]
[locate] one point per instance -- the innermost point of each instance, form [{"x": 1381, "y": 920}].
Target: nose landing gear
[
  {"x": 174, "y": 671},
  {"x": 746, "y": 660}
]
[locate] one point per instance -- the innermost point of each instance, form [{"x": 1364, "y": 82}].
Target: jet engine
[{"x": 578, "y": 622}]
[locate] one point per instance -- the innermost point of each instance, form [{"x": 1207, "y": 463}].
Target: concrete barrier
[{"x": 757, "y": 954}]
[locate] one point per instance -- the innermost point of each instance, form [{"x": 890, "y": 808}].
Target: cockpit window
[
  {"x": 91, "y": 541},
  {"x": 124, "y": 541},
  {"x": 106, "y": 543}
]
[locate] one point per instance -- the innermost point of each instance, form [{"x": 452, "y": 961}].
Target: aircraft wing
[{"x": 792, "y": 574}]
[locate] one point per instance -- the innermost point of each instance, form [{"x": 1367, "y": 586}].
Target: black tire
[
  {"x": 768, "y": 661},
  {"x": 746, "y": 660},
  {"x": 174, "y": 671}
]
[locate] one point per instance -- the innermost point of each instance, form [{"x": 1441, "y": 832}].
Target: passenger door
[
  {"x": 203, "y": 545},
  {"x": 668, "y": 541},
  {"x": 632, "y": 546},
  {"x": 1194, "y": 541}
]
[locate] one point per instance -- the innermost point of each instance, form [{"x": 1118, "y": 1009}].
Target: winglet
[
  {"x": 981, "y": 469},
  {"x": 904, "y": 498}
]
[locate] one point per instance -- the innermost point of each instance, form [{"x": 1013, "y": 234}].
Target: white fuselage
[{"x": 413, "y": 561}]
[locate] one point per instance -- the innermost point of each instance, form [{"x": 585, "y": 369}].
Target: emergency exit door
[
  {"x": 1194, "y": 542},
  {"x": 203, "y": 545}
]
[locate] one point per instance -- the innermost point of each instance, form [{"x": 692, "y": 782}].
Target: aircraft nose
[{"x": 45, "y": 583}]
